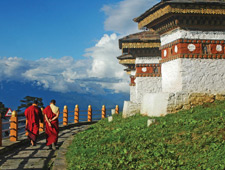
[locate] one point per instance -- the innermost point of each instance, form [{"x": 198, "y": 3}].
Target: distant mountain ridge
[{"x": 12, "y": 92}]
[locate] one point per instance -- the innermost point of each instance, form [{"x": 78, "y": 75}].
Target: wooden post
[
  {"x": 0, "y": 129},
  {"x": 89, "y": 113},
  {"x": 117, "y": 109},
  {"x": 41, "y": 124},
  {"x": 103, "y": 111},
  {"x": 65, "y": 116},
  {"x": 76, "y": 114},
  {"x": 14, "y": 127}
]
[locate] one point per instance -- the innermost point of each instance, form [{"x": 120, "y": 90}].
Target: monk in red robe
[
  {"x": 34, "y": 116},
  {"x": 51, "y": 114}
]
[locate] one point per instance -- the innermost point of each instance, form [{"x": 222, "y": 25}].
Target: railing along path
[{"x": 78, "y": 116}]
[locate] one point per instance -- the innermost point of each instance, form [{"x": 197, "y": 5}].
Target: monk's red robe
[
  {"x": 33, "y": 115},
  {"x": 51, "y": 132}
]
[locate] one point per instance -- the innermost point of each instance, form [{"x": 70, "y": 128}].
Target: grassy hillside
[{"x": 192, "y": 139}]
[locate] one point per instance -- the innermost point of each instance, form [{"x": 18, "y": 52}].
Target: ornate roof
[
  {"x": 125, "y": 56},
  {"x": 165, "y": 7},
  {"x": 142, "y": 39},
  {"x": 127, "y": 62}
]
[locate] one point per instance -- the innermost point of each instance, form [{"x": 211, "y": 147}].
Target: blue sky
[
  {"x": 67, "y": 45},
  {"x": 33, "y": 29}
]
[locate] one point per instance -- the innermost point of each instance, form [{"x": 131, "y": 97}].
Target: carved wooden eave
[
  {"x": 125, "y": 56},
  {"x": 144, "y": 39},
  {"x": 145, "y": 52},
  {"x": 127, "y": 69},
  {"x": 171, "y": 14},
  {"x": 127, "y": 61},
  {"x": 131, "y": 68},
  {"x": 141, "y": 45}
]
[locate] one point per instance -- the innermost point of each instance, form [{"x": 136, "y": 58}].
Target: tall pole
[
  {"x": 117, "y": 109},
  {"x": 65, "y": 116},
  {"x": 89, "y": 113},
  {"x": 76, "y": 114},
  {"x": 14, "y": 127},
  {"x": 103, "y": 111}
]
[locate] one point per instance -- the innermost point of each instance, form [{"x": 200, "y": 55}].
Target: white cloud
[
  {"x": 58, "y": 74},
  {"x": 104, "y": 55},
  {"x": 63, "y": 75},
  {"x": 53, "y": 74},
  {"x": 12, "y": 67},
  {"x": 105, "y": 63},
  {"x": 100, "y": 70},
  {"x": 120, "y": 16},
  {"x": 119, "y": 20}
]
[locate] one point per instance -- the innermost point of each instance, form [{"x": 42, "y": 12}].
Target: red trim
[
  {"x": 182, "y": 48},
  {"x": 148, "y": 75},
  {"x": 193, "y": 56},
  {"x": 152, "y": 70}
]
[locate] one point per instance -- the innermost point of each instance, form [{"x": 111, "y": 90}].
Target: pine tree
[
  {"x": 27, "y": 101},
  {"x": 3, "y": 109}
]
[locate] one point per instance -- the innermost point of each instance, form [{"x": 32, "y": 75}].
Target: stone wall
[
  {"x": 130, "y": 109},
  {"x": 160, "y": 104},
  {"x": 194, "y": 75},
  {"x": 185, "y": 101}
]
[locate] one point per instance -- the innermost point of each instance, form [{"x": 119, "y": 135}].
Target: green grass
[{"x": 192, "y": 139}]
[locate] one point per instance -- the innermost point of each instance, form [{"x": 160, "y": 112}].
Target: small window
[
  {"x": 125, "y": 51},
  {"x": 204, "y": 49},
  {"x": 155, "y": 69}
]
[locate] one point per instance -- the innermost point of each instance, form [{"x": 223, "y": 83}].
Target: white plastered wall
[
  {"x": 154, "y": 104},
  {"x": 171, "y": 76},
  {"x": 147, "y": 60},
  {"x": 187, "y": 34},
  {"x": 147, "y": 85},
  {"x": 133, "y": 94},
  {"x": 203, "y": 75},
  {"x": 194, "y": 75}
]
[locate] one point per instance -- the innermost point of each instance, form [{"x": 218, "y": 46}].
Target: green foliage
[
  {"x": 191, "y": 139},
  {"x": 27, "y": 101},
  {"x": 3, "y": 109}
]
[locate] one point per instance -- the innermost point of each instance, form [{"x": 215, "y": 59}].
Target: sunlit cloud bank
[
  {"x": 64, "y": 74},
  {"x": 105, "y": 64},
  {"x": 53, "y": 74}
]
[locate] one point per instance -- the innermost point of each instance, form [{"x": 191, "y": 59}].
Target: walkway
[{"x": 39, "y": 156}]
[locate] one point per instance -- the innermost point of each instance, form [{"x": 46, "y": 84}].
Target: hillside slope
[{"x": 192, "y": 139}]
